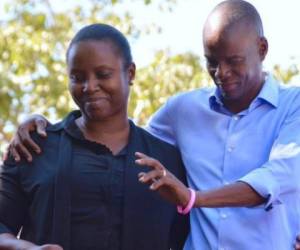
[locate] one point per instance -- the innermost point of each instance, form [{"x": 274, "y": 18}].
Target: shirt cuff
[
  {"x": 264, "y": 183},
  {"x": 4, "y": 229}
]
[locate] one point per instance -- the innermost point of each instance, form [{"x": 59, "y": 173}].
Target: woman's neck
[{"x": 113, "y": 133}]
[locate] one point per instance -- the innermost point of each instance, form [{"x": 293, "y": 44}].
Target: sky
[{"x": 182, "y": 29}]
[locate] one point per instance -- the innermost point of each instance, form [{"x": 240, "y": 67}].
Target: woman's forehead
[{"x": 92, "y": 54}]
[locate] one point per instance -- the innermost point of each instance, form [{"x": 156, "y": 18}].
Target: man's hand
[
  {"x": 160, "y": 179},
  {"x": 47, "y": 247},
  {"x": 9, "y": 241},
  {"x": 297, "y": 244},
  {"x": 21, "y": 143}
]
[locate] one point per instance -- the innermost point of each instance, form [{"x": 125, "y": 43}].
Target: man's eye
[
  {"x": 211, "y": 63},
  {"x": 103, "y": 75},
  {"x": 235, "y": 61}
]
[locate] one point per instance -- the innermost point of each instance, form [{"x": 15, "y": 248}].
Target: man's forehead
[
  {"x": 231, "y": 15},
  {"x": 219, "y": 28}
]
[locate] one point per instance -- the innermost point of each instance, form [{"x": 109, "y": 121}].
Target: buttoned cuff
[{"x": 264, "y": 183}]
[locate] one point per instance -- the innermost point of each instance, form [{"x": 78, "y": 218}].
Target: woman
[{"x": 83, "y": 191}]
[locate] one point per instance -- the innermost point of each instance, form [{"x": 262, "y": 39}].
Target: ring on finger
[{"x": 164, "y": 173}]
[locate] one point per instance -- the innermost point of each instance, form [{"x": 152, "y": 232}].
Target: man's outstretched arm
[{"x": 22, "y": 143}]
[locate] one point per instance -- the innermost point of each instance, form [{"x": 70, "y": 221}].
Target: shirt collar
[
  {"x": 270, "y": 91},
  {"x": 69, "y": 125},
  {"x": 269, "y": 94}
]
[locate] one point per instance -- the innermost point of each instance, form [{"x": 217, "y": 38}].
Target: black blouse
[
  {"x": 71, "y": 194},
  {"x": 97, "y": 184}
]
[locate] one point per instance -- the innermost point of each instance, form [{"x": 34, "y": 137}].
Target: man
[{"x": 240, "y": 142}]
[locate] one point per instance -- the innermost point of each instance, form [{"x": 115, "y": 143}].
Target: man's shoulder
[
  {"x": 287, "y": 89},
  {"x": 155, "y": 141},
  {"x": 187, "y": 95},
  {"x": 193, "y": 97},
  {"x": 289, "y": 94}
]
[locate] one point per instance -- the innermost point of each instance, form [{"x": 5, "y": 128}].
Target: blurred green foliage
[{"x": 33, "y": 40}]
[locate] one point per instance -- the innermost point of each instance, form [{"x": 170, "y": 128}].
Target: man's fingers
[
  {"x": 23, "y": 150},
  {"x": 15, "y": 154},
  {"x": 5, "y": 154},
  {"x": 31, "y": 144},
  {"x": 153, "y": 176},
  {"x": 25, "y": 140},
  {"x": 41, "y": 127},
  {"x": 153, "y": 179},
  {"x": 157, "y": 184},
  {"x": 145, "y": 160}
]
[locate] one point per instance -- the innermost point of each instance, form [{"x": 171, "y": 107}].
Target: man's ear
[{"x": 263, "y": 48}]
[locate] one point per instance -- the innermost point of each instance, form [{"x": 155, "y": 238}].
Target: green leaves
[
  {"x": 165, "y": 76},
  {"x": 33, "y": 40}
]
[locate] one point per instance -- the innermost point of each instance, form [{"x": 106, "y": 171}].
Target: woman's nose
[{"x": 92, "y": 84}]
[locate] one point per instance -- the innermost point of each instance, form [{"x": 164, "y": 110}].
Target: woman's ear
[{"x": 131, "y": 72}]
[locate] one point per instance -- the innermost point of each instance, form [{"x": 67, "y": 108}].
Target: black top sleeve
[{"x": 13, "y": 203}]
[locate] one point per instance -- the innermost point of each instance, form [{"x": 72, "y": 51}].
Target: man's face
[{"x": 234, "y": 61}]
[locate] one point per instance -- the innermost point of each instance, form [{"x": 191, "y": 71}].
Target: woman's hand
[
  {"x": 21, "y": 143},
  {"x": 163, "y": 181}
]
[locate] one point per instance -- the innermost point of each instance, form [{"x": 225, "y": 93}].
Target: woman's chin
[{"x": 95, "y": 116}]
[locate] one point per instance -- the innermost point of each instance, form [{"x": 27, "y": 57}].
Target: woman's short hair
[{"x": 104, "y": 32}]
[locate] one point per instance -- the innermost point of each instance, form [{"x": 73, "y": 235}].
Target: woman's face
[{"x": 99, "y": 81}]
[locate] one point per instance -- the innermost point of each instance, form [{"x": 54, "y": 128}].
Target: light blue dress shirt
[{"x": 259, "y": 146}]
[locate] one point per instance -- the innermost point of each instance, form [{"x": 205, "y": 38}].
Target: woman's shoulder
[{"x": 154, "y": 142}]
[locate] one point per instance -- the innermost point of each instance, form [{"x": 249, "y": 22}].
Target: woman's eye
[{"x": 76, "y": 78}]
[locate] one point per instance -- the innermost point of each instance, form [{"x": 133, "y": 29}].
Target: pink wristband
[{"x": 189, "y": 206}]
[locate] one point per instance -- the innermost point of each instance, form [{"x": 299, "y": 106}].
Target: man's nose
[{"x": 222, "y": 71}]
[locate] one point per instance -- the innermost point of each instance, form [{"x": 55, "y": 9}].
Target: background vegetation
[{"x": 33, "y": 41}]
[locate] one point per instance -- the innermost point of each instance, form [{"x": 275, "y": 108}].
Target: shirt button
[
  {"x": 236, "y": 117},
  {"x": 226, "y": 183},
  {"x": 223, "y": 216},
  {"x": 230, "y": 149}
]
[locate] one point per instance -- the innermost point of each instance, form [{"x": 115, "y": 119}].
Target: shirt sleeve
[
  {"x": 281, "y": 173},
  {"x": 13, "y": 204},
  {"x": 161, "y": 124}
]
